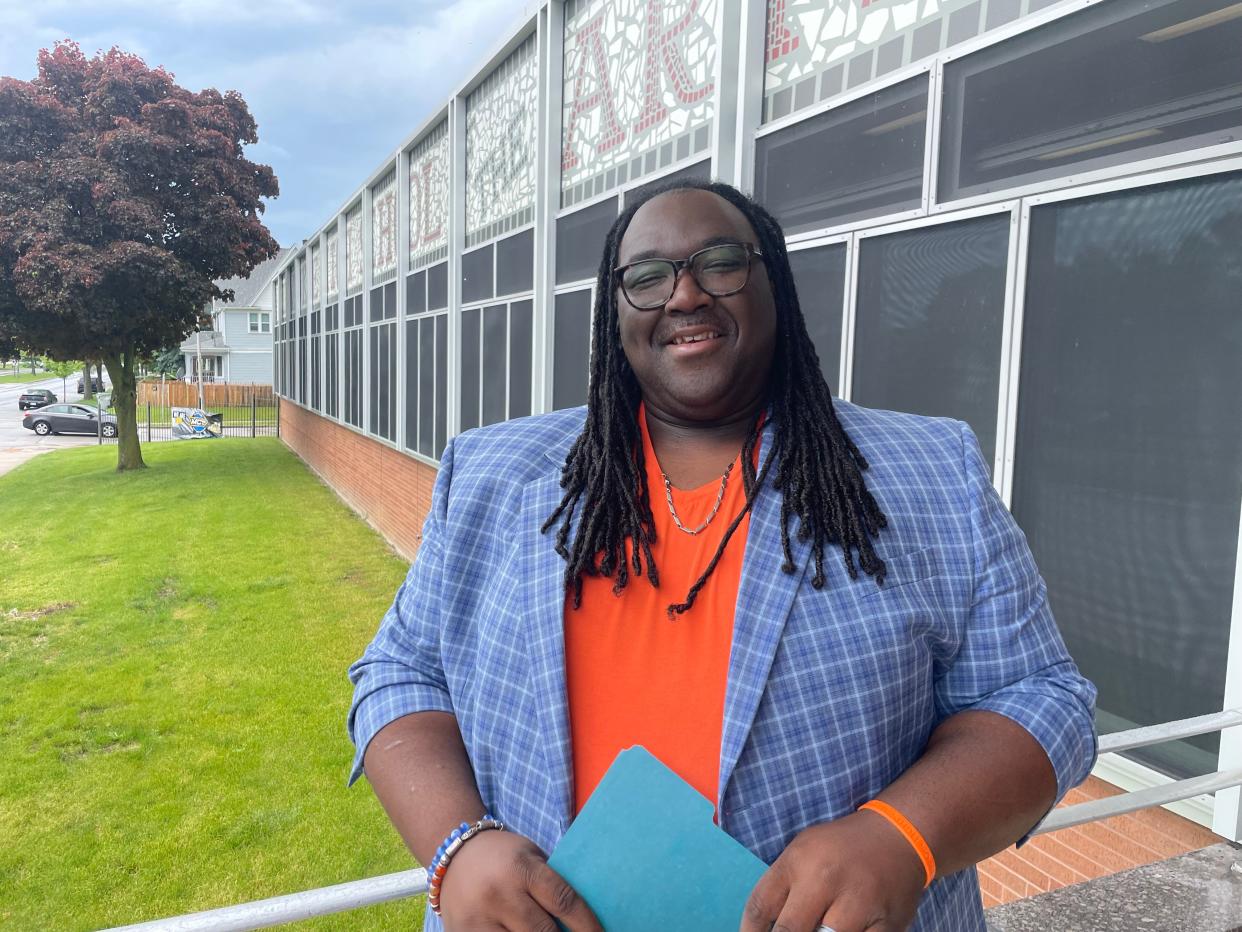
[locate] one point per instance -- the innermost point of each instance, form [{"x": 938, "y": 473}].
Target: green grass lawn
[
  {"x": 9, "y": 378},
  {"x": 173, "y": 647}
]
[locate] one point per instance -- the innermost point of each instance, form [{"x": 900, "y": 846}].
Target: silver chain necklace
[{"x": 668, "y": 497}]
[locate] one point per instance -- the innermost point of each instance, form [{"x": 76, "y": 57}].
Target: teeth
[{"x": 699, "y": 338}]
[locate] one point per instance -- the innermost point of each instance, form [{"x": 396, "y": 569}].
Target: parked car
[
  {"x": 69, "y": 419},
  {"x": 35, "y": 398},
  {"x": 96, "y": 384}
]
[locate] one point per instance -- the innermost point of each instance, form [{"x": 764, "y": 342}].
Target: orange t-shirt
[{"x": 634, "y": 675}]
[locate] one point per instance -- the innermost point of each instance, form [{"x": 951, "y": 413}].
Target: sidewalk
[{"x": 13, "y": 455}]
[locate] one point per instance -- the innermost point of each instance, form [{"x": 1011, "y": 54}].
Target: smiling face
[{"x": 698, "y": 358}]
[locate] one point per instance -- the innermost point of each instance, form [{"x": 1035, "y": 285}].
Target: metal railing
[
  {"x": 294, "y": 907},
  {"x": 1173, "y": 792}
]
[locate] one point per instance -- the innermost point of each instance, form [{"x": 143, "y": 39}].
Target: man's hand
[
  {"x": 500, "y": 880},
  {"x": 857, "y": 873}
]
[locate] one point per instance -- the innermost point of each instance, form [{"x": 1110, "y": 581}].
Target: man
[{"x": 678, "y": 567}]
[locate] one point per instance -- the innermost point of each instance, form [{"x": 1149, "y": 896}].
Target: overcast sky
[{"x": 334, "y": 86}]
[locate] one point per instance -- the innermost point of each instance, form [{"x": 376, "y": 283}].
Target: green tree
[
  {"x": 63, "y": 369},
  {"x": 122, "y": 197}
]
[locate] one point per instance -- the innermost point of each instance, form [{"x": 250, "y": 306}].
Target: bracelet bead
[{"x": 448, "y": 848}]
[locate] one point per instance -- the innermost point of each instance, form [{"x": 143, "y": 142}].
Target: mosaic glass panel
[
  {"x": 316, "y": 263},
  {"x": 302, "y": 293},
  {"x": 500, "y": 147},
  {"x": 817, "y": 49},
  {"x": 384, "y": 229},
  {"x": 640, "y": 89},
  {"x": 429, "y": 198},
  {"x": 330, "y": 272},
  {"x": 353, "y": 250}
]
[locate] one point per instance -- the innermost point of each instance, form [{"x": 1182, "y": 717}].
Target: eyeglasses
[{"x": 718, "y": 270}]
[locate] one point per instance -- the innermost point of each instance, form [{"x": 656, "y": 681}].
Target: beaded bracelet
[{"x": 449, "y": 847}]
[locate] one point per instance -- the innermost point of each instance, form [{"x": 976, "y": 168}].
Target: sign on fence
[{"x": 193, "y": 423}]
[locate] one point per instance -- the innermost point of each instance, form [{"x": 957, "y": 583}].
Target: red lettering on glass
[
  {"x": 780, "y": 40},
  {"x": 661, "y": 53},
  {"x": 592, "y": 55}
]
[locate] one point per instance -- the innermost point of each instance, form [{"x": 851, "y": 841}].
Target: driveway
[{"x": 17, "y": 444}]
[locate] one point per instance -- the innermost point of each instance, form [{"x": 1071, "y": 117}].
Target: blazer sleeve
[
  {"x": 1011, "y": 659},
  {"x": 400, "y": 672}
]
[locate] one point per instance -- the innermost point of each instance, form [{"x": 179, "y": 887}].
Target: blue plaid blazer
[{"x": 831, "y": 693}]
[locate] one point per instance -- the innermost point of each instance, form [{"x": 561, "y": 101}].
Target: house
[{"x": 238, "y": 347}]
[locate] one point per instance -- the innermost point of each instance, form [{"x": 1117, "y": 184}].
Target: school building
[{"x": 1023, "y": 214}]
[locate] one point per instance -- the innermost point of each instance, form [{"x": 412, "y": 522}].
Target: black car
[
  {"x": 69, "y": 419},
  {"x": 96, "y": 384},
  {"x": 35, "y": 398}
]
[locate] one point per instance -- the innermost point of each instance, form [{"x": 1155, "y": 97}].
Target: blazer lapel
[
  {"x": 765, "y": 596},
  {"x": 544, "y": 573}
]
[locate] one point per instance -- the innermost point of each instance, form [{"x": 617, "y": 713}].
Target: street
[{"x": 17, "y": 444}]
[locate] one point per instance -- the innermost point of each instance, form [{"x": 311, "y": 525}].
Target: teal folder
[{"x": 646, "y": 855}]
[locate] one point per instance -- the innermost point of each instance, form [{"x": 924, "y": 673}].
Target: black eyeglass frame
[{"x": 678, "y": 264}]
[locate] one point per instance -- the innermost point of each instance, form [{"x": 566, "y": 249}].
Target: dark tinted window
[
  {"x": 862, "y": 159},
  {"x": 476, "y": 275},
  {"x": 426, "y": 384},
  {"x": 520, "y": 349},
  {"x": 416, "y": 293},
  {"x": 927, "y": 333},
  {"x": 1111, "y": 84},
  {"x": 572, "y": 348},
  {"x": 819, "y": 275},
  {"x": 515, "y": 263},
  {"x": 1128, "y": 450},
  {"x": 471, "y": 328},
  {"x": 580, "y": 241},
  {"x": 437, "y": 287}
]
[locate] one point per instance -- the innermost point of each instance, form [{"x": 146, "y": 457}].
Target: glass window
[
  {"x": 437, "y": 287},
  {"x": 862, "y": 159},
  {"x": 571, "y": 349},
  {"x": 416, "y": 293},
  {"x": 521, "y": 347},
  {"x": 515, "y": 263},
  {"x": 427, "y": 366},
  {"x": 477, "y": 275},
  {"x": 1129, "y": 447},
  {"x": 495, "y": 354},
  {"x": 413, "y": 364},
  {"x": 383, "y": 381},
  {"x": 331, "y": 370},
  {"x": 353, "y": 378},
  {"x": 1163, "y": 77},
  {"x": 930, "y": 310},
  {"x": 819, "y": 275},
  {"x": 580, "y": 241},
  {"x": 377, "y": 304},
  {"x": 471, "y": 333},
  {"x": 441, "y": 384}
]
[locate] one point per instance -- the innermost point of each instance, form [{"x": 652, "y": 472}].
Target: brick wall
[
  {"x": 389, "y": 490},
  {"x": 1085, "y": 852},
  {"x": 392, "y": 492}
]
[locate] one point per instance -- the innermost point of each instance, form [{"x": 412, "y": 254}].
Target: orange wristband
[{"x": 909, "y": 833}]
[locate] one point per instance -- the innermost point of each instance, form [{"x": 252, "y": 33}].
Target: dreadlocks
[{"x": 818, "y": 469}]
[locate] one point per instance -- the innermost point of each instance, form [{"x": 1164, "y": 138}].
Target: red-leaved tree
[{"x": 122, "y": 197}]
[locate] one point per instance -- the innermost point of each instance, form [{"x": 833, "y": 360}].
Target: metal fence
[{"x": 242, "y": 410}]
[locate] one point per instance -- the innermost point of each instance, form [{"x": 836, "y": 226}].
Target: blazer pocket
[{"x": 904, "y": 570}]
